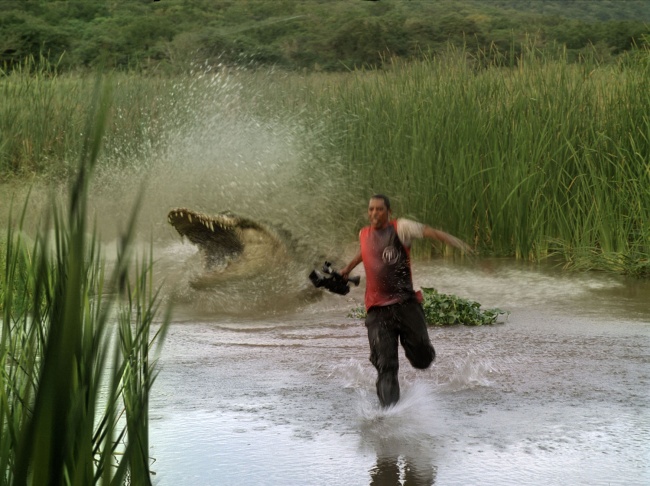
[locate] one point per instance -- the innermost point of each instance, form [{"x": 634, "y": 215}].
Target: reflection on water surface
[{"x": 556, "y": 395}]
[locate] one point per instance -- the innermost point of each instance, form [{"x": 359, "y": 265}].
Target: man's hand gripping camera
[{"x": 331, "y": 280}]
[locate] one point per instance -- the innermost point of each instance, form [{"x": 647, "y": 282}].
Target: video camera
[{"x": 335, "y": 282}]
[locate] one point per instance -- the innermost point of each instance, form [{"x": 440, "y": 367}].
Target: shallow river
[
  {"x": 257, "y": 387},
  {"x": 556, "y": 395}
]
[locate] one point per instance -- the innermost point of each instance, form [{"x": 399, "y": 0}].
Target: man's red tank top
[{"x": 387, "y": 264}]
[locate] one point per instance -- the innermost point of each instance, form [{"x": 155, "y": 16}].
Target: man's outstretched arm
[{"x": 446, "y": 238}]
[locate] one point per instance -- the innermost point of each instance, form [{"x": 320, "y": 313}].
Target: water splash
[
  {"x": 226, "y": 147},
  {"x": 402, "y": 436},
  {"x": 414, "y": 415},
  {"x": 470, "y": 371}
]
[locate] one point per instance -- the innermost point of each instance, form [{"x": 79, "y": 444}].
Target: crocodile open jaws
[{"x": 226, "y": 239}]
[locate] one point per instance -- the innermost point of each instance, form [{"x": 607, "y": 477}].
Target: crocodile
[
  {"x": 227, "y": 239},
  {"x": 247, "y": 265}
]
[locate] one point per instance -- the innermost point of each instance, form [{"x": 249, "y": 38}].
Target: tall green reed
[
  {"x": 529, "y": 156},
  {"x": 66, "y": 380},
  {"x": 543, "y": 158},
  {"x": 43, "y": 113}
]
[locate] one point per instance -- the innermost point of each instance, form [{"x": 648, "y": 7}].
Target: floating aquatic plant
[{"x": 448, "y": 309}]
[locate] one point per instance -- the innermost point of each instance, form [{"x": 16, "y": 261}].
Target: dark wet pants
[{"x": 385, "y": 325}]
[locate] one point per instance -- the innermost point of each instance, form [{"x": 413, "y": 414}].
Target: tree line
[{"x": 308, "y": 34}]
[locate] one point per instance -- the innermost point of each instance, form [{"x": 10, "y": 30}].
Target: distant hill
[
  {"x": 584, "y": 10},
  {"x": 306, "y": 34}
]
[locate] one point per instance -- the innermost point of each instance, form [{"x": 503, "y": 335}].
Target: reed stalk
[
  {"x": 43, "y": 119},
  {"x": 65, "y": 379},
  {"x": 544, "y": 158}
]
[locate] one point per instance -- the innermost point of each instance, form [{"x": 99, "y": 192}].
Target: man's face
[{"x": 378, "y": 214}]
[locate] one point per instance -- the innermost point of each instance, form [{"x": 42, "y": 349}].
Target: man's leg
[
  {"x": 414, "y": 335},
  {"x": 382, "y": 337}
]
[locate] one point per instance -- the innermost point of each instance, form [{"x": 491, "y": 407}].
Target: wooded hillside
[{"x": 307, "y": 34}]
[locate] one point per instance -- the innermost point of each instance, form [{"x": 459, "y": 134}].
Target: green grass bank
[{"x": 550, "y": 158}]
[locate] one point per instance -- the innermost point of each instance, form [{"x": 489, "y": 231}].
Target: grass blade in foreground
[{"x": 54, "y": 351}]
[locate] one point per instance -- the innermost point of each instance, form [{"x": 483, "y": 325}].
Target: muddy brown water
[{"x": 556, "y": 395}]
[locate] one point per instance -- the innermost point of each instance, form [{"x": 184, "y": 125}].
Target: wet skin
[{"x": 378, "y": 213}]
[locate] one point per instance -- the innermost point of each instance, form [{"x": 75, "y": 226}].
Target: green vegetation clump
[
  {"x": 19, "y": 269},
  {"x": 447, "y": 309},
  {"x": 75, "y": 379}
]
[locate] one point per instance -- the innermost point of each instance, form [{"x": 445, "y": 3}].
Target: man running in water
[{"x": 393, "y": 307}]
